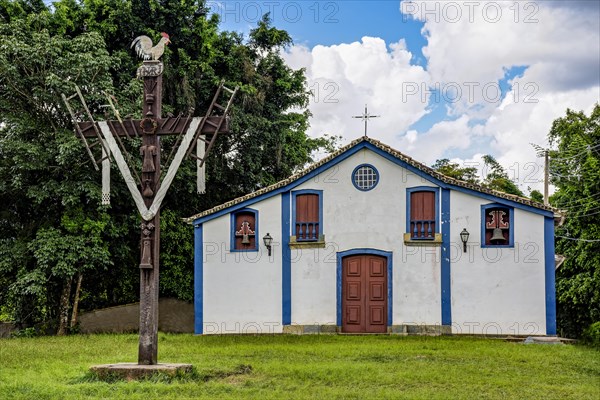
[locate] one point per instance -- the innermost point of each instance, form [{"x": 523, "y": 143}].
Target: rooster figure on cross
[{"x": 143, "y": 47}]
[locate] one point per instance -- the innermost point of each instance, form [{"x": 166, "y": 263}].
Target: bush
[
  {"x": 25, "y": 333},
  {"x": 591, "y": 336}
]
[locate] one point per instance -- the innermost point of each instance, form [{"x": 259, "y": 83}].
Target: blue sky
[
  {"x": 329, "y": 23},
  {"x": 541, "y": 57},
  {"x": 496, "y": 74}
]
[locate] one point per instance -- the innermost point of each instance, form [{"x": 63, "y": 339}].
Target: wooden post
[
  {"x": 150, "y": 127},
  {"x": 151, "y": 72}
]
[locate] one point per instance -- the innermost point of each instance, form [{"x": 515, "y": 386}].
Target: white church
[{"x": 369, "y": 240}]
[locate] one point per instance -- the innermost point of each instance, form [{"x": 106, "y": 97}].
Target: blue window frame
[
  {"x": 365, "y": 177},
  {"x": 307, "y": 228},
  {"x": 422, "y": 229},
  {"x": 488, "y": 216},
  {"x": 237, "y": 219}
]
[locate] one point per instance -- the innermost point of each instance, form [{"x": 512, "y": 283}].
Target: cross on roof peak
[{"x": 366, "y": 117}]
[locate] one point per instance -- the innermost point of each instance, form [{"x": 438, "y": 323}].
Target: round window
[{"x": 365, "y": 177}]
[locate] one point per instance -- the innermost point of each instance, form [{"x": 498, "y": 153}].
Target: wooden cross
[{"x": 149, "y": 191}]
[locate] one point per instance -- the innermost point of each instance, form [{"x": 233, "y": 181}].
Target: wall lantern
[
  {"x": 464, "y": 236},
  {"x": 268, "y": 240}
]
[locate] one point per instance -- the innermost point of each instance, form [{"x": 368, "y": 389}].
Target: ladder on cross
[
  {"x": 92, "y": 141},
  {"x": 214, "y": 122},
  {"x": 210, "y": 112}
]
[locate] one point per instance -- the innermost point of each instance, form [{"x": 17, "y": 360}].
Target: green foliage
[
  {"x": 575, "y": 171},
  {"x": 536, "y": 195},
  {"x": 454, "y": 170},
  {"x": 591, "y": 336},
  {"x": 43, "y": 182},
  {"x": 53, "y": 226},
  {"x": 496, "y": 177},
  {"x": 176, "y": 261},
  {"x": 268, "y": 38},
  {"x": 25, "y": 333}
]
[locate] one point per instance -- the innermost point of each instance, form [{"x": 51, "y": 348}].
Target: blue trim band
[
  {"x": 198, "y": 279},
  {"x": 286, "y": 261},
  {"x": 511, "y": 225},
  {"x": 232, "y": 229},
  {"x": 549, "y": 276},
  {"x": 446, "y": 273},
  {"x": 390, "y": 269},
  {"x": 377, "y": 176},
  {"x": 387, "y": 156}
]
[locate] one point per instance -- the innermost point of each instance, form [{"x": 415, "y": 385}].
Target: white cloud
[
  {"x": 345, "y": 77},
  {"x": 432, "y": 145},
  {"x": 561, "y": 39},
  {"x": 513, "y": 127},
  {"x": 560, "y": 46}
]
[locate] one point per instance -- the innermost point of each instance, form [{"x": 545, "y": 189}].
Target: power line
[
  {"x": 578, "y": 240},
  {"x": 579, "y": 200},
  {"x": 579, "y": 206},
  {"x": 582, "y": 215},
  {"x": 584, "y": 151}
]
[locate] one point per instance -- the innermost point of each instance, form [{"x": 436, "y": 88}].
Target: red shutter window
[
  {"x": 497, "y": 226},
  {"x": 245, "y": 231},
  {"x": 307, "y": 217},
  {"x": 422, "y": 215}
]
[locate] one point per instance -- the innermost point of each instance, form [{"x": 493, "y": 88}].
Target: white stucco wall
[
  {"x": 242, "y": 290},
  {"x": 497, "y": 291},
  {"x": 314, "y": 286},
  {"x": 375, "y": 219}
]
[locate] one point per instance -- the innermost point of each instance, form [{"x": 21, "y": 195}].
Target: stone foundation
[
  {"x": 423, "y": 330},
  {"x": 427, "y": 330},
  {"x": 311, "y": 329}
]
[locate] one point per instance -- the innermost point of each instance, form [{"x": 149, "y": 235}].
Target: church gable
[{"x": 362, "y": 175}]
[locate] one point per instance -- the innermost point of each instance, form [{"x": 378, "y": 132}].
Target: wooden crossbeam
[{"x": 165, "y": 126}]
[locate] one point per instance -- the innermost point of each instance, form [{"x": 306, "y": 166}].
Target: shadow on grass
[{"x": 160, "y": 377}]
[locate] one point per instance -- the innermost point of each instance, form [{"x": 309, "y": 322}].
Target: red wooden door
[{"x": 364, "y": 294}]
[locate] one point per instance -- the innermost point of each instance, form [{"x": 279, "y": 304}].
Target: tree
[
  {"x": 68, "y": 252},
  {"x": 45, "y": 179},
  {"x": 496, "y": 177},
  {"x": 454, "y": 170},
  {"x": 40, "y": 170},
  {"x": 575, "y": 171},
  {"x": 536, "y": 195}
]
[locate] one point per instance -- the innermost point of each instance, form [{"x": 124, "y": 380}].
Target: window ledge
[
  {"x": 317, "y": 244},
  {"x": 437, "y": 241}
]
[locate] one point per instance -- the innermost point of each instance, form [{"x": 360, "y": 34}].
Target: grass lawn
[{"x": 304, "y": 367}]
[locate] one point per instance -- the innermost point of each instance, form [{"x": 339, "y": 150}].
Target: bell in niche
[
  {"x": 497, "y": 235},
  {"x": 245, "y": 239}
]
